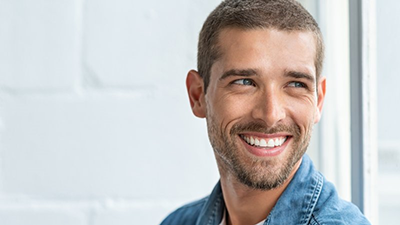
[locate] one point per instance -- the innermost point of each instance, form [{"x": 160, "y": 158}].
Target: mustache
[{"x": 262, "y": 128}]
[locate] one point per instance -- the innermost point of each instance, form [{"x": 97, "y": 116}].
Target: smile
[{"x": 264, "y": 142}]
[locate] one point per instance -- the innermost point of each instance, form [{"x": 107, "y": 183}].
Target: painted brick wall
[{"x": 95, "y": 125}]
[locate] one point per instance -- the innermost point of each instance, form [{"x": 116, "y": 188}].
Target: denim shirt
[{"x": 308, "y": 199}]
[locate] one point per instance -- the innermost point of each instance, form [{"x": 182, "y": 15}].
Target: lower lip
[{"x": 265, "y": 152}]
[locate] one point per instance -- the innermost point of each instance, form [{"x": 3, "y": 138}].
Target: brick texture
[
  {"x": 95, "y": 124},
  {"x": 26, "y": 216},
  {"x": 39, "y": 44}
]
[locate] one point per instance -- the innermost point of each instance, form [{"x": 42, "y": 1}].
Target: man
[{"x": 259, "y": 87}]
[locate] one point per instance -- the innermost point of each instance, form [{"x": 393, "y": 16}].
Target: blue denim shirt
[{"x": 308, "y": 199}]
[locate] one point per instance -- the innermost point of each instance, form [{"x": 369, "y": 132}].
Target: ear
[
  {"x": 320, "y": 98},
  {"x": 195, "y": 89}
]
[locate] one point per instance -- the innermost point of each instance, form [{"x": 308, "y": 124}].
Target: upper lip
[{"x": 263, "y": 135}]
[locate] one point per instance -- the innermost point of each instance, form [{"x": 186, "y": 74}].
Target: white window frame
[
  {"x": 363, "y": 106},
  {"x": 335, "y": 138}
]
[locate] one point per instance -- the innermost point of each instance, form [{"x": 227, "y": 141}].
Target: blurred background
[{"x": 96, "y": 127}]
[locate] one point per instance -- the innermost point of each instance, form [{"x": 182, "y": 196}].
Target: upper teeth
[{"x": 261, "y": 142}]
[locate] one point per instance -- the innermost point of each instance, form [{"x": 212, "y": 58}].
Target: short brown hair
[{"x": 287, "y": 15}]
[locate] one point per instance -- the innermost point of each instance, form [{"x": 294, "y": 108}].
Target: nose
[{"x": 270, "y": 108}]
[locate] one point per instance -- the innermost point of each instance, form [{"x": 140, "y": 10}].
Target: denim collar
[
  {"x": 295, "y": 206},
  {"x": 213, "y": 210}
]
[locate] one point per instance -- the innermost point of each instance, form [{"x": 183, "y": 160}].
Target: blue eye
[
  {"x": 244, "y": 82},
  {"x": 297, "y": 84}
]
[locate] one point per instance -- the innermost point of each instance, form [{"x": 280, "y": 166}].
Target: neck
[{"x": 246, "y": 205}]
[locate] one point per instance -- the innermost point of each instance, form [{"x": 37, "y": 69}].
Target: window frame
[{"x": 364, "y": 151}]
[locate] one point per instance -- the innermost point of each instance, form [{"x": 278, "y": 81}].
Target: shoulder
[
  {"x": 331, "y": 209},
  {"x": 185, "y": 215}
]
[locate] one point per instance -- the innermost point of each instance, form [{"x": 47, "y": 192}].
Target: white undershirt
[{"x": 223, "y": 222}]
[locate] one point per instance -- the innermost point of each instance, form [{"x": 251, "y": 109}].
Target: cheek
[
  {"x": 303, "y": 112},
  {"x": 229, "y": 109}
]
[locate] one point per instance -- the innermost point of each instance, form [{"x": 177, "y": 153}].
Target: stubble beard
[{"x": 256, "y": 173}]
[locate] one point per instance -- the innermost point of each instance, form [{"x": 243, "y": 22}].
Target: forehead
[{"x": 265, "y": 49}]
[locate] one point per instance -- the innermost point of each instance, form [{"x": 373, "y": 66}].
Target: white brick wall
[
  {"x": 39, "y": 44},
  {"x": 95, "y": 125},
  {"x": 37, "y": 216}
]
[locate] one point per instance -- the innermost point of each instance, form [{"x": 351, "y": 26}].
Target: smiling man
[{"x": 259, "y": 87}]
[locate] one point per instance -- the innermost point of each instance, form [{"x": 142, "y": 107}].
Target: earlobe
[
  {"x": 195, "y": 89},
  {"x": 320, "y": 98}
]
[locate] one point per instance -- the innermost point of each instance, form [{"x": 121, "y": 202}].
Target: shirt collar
[{"x": 213, "y": 209}]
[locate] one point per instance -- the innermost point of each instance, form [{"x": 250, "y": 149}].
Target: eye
[
  {"x": 244, "y": 82},
  {"x": 297, "y": 84}
]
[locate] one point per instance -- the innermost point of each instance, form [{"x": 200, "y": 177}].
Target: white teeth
[
  {"x": 263, "y": 143},
  {"x": 277, "y": 142},
  {"x": 270, "y": 143}
]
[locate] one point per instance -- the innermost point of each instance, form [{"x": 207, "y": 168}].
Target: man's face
[{"x": 261, "y": 103}]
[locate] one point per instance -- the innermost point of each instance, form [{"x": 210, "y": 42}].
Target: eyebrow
[
  {"x": 300, "y": 75},
  {"x": 236, "y": 72},
  {"x": 252, "y": 72}
]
